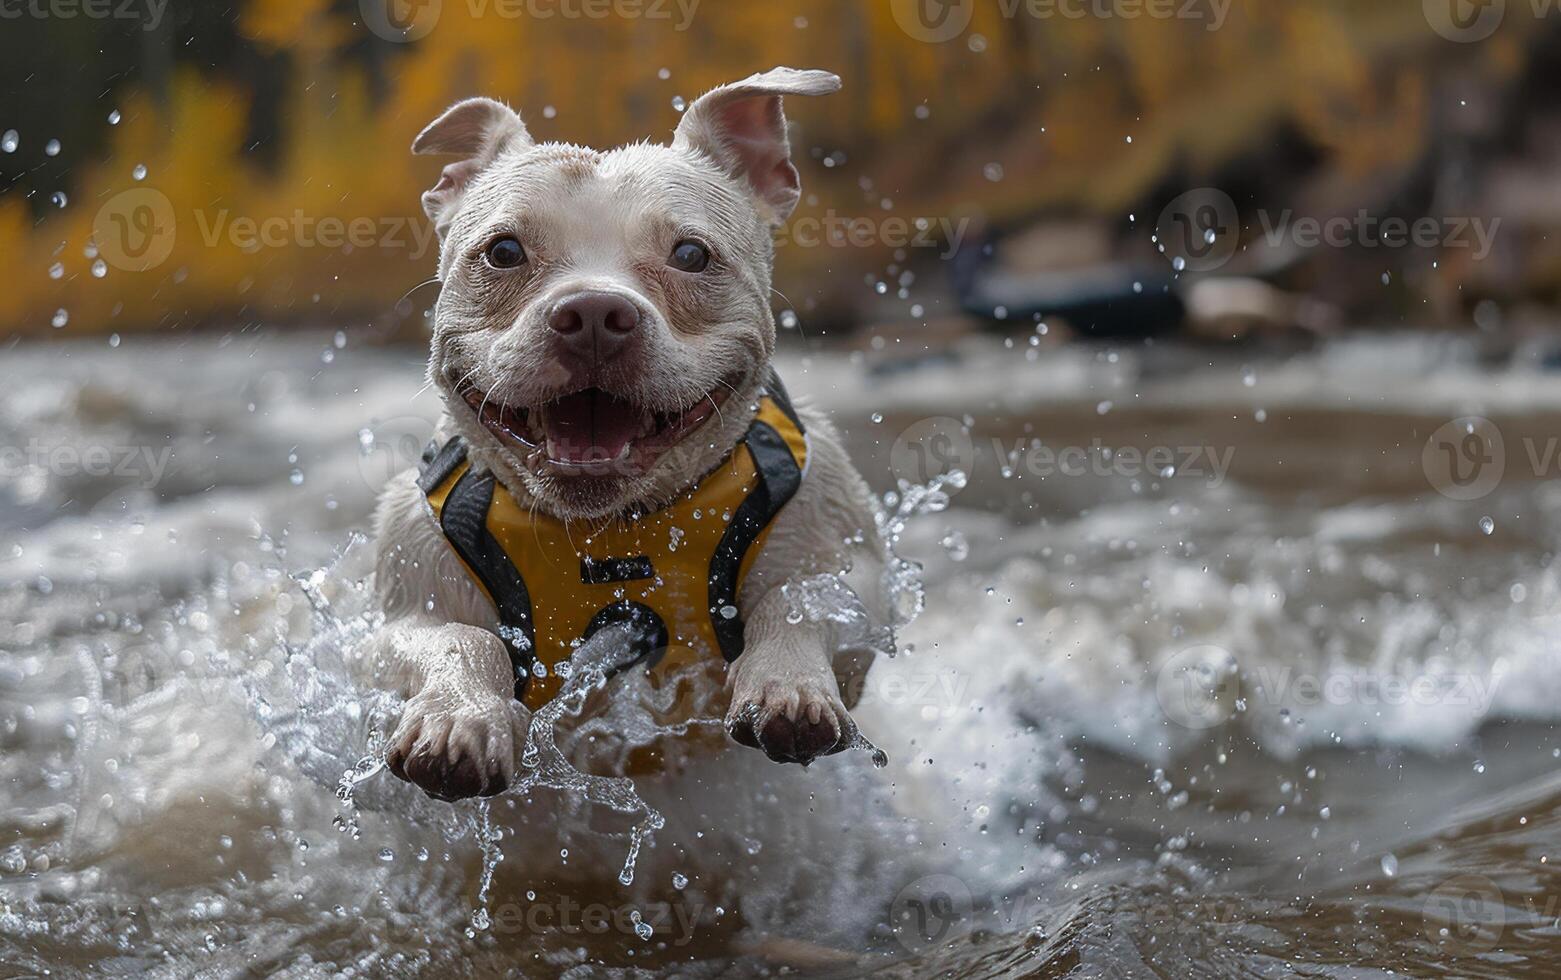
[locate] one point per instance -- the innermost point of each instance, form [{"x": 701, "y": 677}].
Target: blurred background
[
  {"x": 1239, "y": 653},
  {"x": 246, "y": 164}
]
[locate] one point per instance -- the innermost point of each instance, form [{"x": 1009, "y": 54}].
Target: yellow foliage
[{"x": 1052, "y": 100}]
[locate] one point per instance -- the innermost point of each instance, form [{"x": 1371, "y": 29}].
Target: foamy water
[{"x": 1121, "y": 678}]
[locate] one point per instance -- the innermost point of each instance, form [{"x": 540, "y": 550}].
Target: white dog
[{"x": 615, "y": 449}]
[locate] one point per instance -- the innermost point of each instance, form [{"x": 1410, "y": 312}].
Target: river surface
[{"x": 1230, "y": 666}]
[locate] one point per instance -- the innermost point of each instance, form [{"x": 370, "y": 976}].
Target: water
[{"x": 1275, "y": 707}]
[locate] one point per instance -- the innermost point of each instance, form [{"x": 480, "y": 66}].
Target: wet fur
[{"x": 605, "y": 220}]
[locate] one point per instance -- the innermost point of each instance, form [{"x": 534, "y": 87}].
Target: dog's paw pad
[
  {"x": 453, "y": 755},
  {"x": 801, "y": 740},
  {"x": 811, "y": 728}
]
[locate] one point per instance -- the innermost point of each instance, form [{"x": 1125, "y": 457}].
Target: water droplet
[
  {"x": 296, "y": 478},
  {"x": 113, "y": 118},
  {"x": 957, "y": 546},
  {"x": 57, "y": 270},
  {"x": 139, "y": 173},
  {"x": 58, "y": 199},
  {"x": 1479, "y": 767},
  {"x": 1487, "y": 525},
  {"x": 1389, "y": 865},
  {"x": 728, "y": 612},
  {"x": 51, "y": 148},
  {"x": 386, "y": 854},
  {"x": 679, "y": 880},
  {"x": 10, "y": 141},
  {"x": 641, "y": 927},
  {"x": 99, "y": 269},
  {"x": 679, "y": 103},
  {"x": 993, "y": 172},
  {"x": 61, "y": 317}
]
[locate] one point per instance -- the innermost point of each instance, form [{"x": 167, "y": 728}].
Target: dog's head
[{"x": 604, "y": 323}]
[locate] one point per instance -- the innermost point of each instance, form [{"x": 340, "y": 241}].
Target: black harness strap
[
  {"x": 779, "y": 478},
  {"x": 439, "y": 462},
  {"x": 464, "y": 519},
  {"x": 776, "y": 389}
]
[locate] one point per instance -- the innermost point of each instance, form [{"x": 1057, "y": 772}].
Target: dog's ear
[
  {"x": 742, "y": 128},
  {"x": 477, "y": 130}
]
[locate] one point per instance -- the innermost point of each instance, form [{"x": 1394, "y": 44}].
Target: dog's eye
[
  {"x": 689, "y": 256},
  {"x": 505, "y": 253}
]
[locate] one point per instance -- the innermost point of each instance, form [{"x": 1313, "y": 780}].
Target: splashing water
[
  {"x": 828, "y": 601},
  {"x": 590, "y": 665},
  {"x": 333, "y": 722}
]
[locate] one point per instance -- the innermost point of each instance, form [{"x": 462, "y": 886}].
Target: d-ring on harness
[{"x": 673, "y": 574}]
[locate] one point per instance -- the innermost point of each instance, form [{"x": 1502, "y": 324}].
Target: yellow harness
[{"x": 674, "y": 573}]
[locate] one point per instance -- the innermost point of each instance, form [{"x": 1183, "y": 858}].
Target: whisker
[
  {"x": 407, "y": 295},
  {"x": 793, "y": 307}
]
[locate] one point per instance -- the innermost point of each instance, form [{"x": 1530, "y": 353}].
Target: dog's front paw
[
  {"x": 791, "y": 724},
  {"x": 454, "y": 744}
]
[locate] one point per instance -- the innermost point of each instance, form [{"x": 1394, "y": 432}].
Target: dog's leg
[
  {"x": 785, "y": 699},
  {"x": 461, "y": 729}
]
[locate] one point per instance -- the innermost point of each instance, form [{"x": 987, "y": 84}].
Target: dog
[{"x": 602, "y": 346}]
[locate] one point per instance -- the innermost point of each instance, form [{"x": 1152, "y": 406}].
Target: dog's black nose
[{"x": 594, "y": 318}]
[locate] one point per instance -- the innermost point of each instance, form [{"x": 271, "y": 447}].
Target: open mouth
[{"x": 591, "y": 431}]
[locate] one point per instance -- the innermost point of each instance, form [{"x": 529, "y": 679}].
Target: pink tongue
[{"x": 589, "y": 426}]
